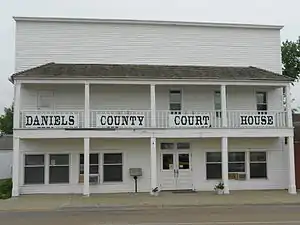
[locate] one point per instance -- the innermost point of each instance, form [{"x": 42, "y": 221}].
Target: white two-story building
[{"x": 181, "y": 105}]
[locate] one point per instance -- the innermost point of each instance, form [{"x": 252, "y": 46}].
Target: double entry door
[{"x": 176, "y": 170}]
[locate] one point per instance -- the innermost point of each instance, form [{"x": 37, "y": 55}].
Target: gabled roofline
[{"x": 148, "y": 22}]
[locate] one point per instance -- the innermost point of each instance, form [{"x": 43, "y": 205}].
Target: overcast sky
[{"x": 283, "y": 12}]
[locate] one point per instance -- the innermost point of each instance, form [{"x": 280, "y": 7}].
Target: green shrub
[{"x": 5, "y": 188}]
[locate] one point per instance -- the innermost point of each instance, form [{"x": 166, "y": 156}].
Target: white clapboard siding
[{"x": 74, "y": 42}]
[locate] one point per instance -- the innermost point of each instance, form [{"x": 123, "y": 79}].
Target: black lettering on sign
[
  {"x": 102, "y": 120},
  {"x": 183, "y": 120},
  {"x": 133, "y": 119},
  {"x": 125, "y": 120},
  {"x": 29, "y": 121},
  {"x": 270, "y": 120},
  {"x": 36, "y": 121},
  {"x": 57, "y": 120},
  {"x": 250, "y": 120},
  {"x": 140, "y": 119},
  {"x": 44, "y": 120},
  {"x": 263, "y": 120},
  {"x": 117, "y": 120},
  {"x": 177, "y": 120},
  {"x": 257, "y": 120},
  {"x": 110, "y": 120},
  {"x": 71, "y": 120},
  {"x": 64, "y": 121},
  {"x": 198, "y": 121},
  {"x": 191, "y": 120},
  {"x": 243, "y": 120},
  {"x": 51, "y": 120},
  {"x": 206, "y": 120}
]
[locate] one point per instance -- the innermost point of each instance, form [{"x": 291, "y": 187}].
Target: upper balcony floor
[{"x": 127, "y": 106}]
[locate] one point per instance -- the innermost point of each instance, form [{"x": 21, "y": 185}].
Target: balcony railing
[{"x": 141, "y": 119}]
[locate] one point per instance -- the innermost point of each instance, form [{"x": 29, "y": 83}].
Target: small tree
[
  {"x": 290, "y": 54},
  {"x": 6, "y": 120}
]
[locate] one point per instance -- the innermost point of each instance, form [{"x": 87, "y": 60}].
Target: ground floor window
[
  {"x": 94, "y": 164},
  {"x": 237, "y": 163},
  {"x": 59, "y": 168},
  {"x": 112, "y": 167},
  {"x": 258, "y": 165},
  {"x": 213, "y": 165},
  {"x": 34, "y": 171}
]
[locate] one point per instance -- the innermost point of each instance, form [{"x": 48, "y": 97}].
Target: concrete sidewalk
[{"x": 145, "y": 201}]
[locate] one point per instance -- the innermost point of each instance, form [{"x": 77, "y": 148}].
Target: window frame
[
  {"x": 114, "y": 164},
  {"x": 51, "y": 166},
  {"x": 99, "y": 164},
  {"x": 45, "y": 96},
  {"x": 258, "y": 162},
  {"x": 175, "y": 102},
  {"x": 217, "y": 109},
  {"x": 238, "y": 162},
  {"x": 215, "y": 163},
  {"x": 34, "y": 166},
  {"x": 265, "y": 104}
]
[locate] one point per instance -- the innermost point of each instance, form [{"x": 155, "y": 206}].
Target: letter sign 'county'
[
  {"x": 189, "y": 120},
  {"x": 61, "y": 120},
  {"x": 120, "y": 121}
]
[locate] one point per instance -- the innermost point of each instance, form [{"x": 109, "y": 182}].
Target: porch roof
[{"x": 148, "y": 72}]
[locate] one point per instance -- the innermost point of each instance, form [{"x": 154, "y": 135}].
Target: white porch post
[
  {"x": 16, "y": 167},
  {"x": 223, "y": 106},
  {"x": 86, "y": 188},
  {"x": 289, "y": 106},
  {"x": 153, "y": 164},
  {"x": 86, "y": 105},
  {"x": 16, "y": 141},
  {"x": 153, "y": 105},
  {"x": 224, "y": 146},
  {"x": 292, "y": 179}
]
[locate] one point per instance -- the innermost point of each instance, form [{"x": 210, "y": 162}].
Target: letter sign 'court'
[{"x": 189, "y": 120}]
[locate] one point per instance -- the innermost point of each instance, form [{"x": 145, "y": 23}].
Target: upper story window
[
  {"x": 261, "y": 101},
  {"x": 217, "y": 103},
  {"x": 175, "y": 100},
  {"x": 45, "y": 100}
]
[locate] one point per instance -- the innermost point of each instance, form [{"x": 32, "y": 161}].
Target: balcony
[{"x": 142, "y": 119}]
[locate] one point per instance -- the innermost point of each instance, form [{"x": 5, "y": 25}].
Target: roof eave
[
  {"x": 150, "y": 22},
  {"x": 141, "y": 79}
]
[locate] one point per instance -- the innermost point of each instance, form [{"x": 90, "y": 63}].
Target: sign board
[
  {"x": 120, "y": 121},
  {"x": 257, "y": 120},
  {"x": 189, "y": 120},
  {"x": 58, "y": 120}
]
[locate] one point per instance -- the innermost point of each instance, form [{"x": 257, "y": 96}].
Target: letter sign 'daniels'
[{"x": 61, "y": 120}]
